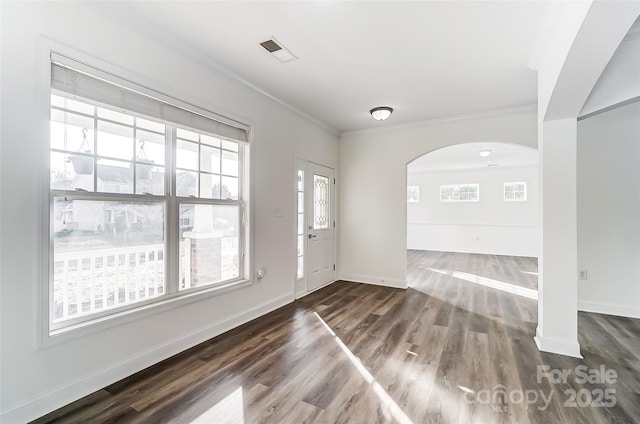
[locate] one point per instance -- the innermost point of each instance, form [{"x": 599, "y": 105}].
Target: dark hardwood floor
[{"x": 456, "y": 347}]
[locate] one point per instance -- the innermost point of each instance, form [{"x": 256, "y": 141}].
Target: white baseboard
[
  {"x": 54, "y": 399},
  {"x": 376, "y": 281},
  {"x": 560, "y": 346},
  {"x": 609, "y": 309},
  {"x": 303, "y": 294}
]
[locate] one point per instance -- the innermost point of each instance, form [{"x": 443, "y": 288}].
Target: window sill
[{"x": 177, "y": 300}]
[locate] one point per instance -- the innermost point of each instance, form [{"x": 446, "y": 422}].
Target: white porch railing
[
  {"x": 86, "y": 282},
  {"x": 90, "y": 281}
]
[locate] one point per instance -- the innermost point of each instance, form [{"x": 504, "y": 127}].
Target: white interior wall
[
  {"x": 373, "y": 184},
  {"x": 489, "y": 226},
  {"x": 585, "y": 39},
  {"x": 609, "y": 211},
  {"x": 37, "y": 379}
]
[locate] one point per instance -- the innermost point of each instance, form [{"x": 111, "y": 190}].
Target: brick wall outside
[{"x": 206, "y": 261}]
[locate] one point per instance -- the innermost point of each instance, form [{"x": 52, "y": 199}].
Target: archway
[{"x": 472, "y": 216}]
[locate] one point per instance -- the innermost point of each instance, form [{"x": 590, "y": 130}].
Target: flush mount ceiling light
[
  {"x": 485, "y": 153},
  {"x": 381, "y": 113}
]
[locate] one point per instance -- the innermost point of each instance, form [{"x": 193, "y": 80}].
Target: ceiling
[
  {"x": 427, "y": 60},
  {"x": 467, "y": 156}
]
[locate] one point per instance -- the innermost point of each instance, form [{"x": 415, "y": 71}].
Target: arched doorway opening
[{"x": 472, "y": 225}]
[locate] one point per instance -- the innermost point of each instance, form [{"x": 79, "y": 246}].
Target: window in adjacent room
[
  {"x": 413, "y": 194},
  {"x": 460, "y": 193},
  {"x": 515, "y": 192}
]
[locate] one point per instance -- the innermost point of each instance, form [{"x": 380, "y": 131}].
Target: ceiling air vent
[
  {"x": 278, "y": 50},
  {"x": 271, "y": 46}
]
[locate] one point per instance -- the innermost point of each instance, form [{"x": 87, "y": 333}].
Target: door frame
[{"x": 300, "y": 286}]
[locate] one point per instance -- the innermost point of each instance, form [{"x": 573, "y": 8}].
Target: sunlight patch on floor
[
  {"x": 389, "y": 406},
  {"x": 465, "y": 389},
  {"x": 491, "y": 283},
  {"x": 229, "y": 410},
  {"x": 495, "y": 284},
  {"x": 439, "y": 271}
]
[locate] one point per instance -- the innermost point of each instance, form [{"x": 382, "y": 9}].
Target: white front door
[
  {"x": 320, "y": 225},
  {"x": 315, "y": 226}
]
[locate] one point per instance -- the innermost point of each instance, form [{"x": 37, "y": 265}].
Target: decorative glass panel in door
[
  {"x": 321, "y": 247},
  {"x": 321, "y": 202}
]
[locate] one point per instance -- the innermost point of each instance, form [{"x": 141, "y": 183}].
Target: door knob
[{"x": 312, "y": 236}]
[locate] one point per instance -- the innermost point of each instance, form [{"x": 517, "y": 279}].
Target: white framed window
[
  {"x": 460, "y": 193},
  {"x": 147, "y": 199},
  {"x": 300, "y": 224},
  {"x": 413, "y": 194},
  {"x": 515, "y": 192}
]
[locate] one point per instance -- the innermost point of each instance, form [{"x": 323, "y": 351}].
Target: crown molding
[
  {"x": 514, "y": 110},
  {"x": 610, "y": 107},
  {"x": 154, "y": 31},
  {"x": 212, "y": 64},
  {"x": 485, "y": 168}
]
